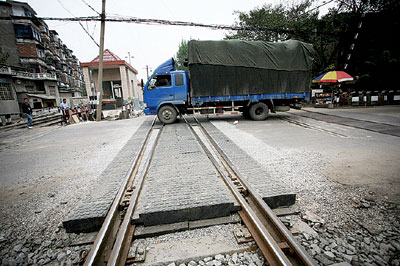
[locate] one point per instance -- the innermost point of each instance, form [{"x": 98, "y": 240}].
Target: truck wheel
[
  {"x": 167, "y": 114},
  {"x": 259, "y": 111}
]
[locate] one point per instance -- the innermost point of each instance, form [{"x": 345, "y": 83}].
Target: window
[
  {"x": 26, "y": 31},
  {"x": 40, "y": 53},
  {"x": 27, "y": 12},
  {"x": 178, "y": 80},
  {"x": 52, "y": 90},
  {"x": 30, "y": 88},
  {"x": 22, "y": 30},
  {"x": 160, "y": 81},
  {"x": 5, "y": 92}
]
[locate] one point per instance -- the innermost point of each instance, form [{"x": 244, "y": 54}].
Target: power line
[
  {"x": 169, "y": 23},
  {"x": 90, "y": 7},
  {"x": 317, "y": 7},
  {"x": 80, "y": 23}
]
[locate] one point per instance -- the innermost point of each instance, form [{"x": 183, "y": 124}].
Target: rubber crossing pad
[
  {"x": 89, "y": 214},
  {"x": 182, "y": 184}
]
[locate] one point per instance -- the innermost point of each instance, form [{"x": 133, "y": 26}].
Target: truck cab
[{"x": 166, "y": 87}]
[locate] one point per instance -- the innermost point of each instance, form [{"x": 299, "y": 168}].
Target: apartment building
[{"x": 35, "y": 63}]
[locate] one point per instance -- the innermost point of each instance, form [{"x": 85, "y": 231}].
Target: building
[
  {"x": 35, "y": 63},
  {"x": 119, "y": 80}
]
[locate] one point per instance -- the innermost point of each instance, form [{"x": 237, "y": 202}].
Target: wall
[
  {"x": 27, "y": 50},
  {"x": 126, "y": 92},
  {"x": 88, "y": 83},
  {"x": 109, "y": 74},
  {"x": 137, "y": 91},
  {"x": 9, "y": 106},
  {"x": 7, "y": 40}
]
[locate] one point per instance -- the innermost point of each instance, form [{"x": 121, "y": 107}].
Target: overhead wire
[
  {"x": 86, "y": 3},
  {"x": 166, "y": 23},
  {"x": 317, "y": 7},
  {"x": 80, "y": 23},
  {"x": 127, "y": 19}
]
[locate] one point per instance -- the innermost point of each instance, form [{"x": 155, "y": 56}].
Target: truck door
[{"x": 159, "y": 89}]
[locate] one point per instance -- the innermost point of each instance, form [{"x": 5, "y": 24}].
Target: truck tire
[
  {"x": 259, "y": 111},
  {"x": 167, "y": 114}
]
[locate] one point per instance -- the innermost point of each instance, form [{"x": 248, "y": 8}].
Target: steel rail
[
  {"x": 124, "y": 237},
  {"x": 265, "y": 241},
  {"x": 100, "y": 244},
  {"x": 299, "y": 256}
]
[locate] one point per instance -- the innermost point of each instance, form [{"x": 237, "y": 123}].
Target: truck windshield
[{"x": 160, "y": 81}]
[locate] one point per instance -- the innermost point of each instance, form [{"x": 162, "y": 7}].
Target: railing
[
  {"x": 5, "y": 71},
  {"x": 38, "y": 76},
  {"x": 45, "y": 110},
  {"x": 27, "y": 75}
]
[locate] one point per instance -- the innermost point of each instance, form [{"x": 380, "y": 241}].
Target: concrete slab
[
  {"x": 182, "y": 184},
  {"x": 270, "y": 189},
  {"x": 88, "y": 215},
  {"x": 185, "y": 250},
  {"x": 150, "y": 231},
  {"x": 216, "y": 221}
]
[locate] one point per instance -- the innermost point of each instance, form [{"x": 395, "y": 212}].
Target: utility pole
[
  {"x": 100, "y": 78},
  {"x": 147, "y": 71},
  {"x": 129, "y": 56}
]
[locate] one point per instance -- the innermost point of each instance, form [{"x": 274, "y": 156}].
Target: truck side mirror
[{"x": 186, "y": 62}]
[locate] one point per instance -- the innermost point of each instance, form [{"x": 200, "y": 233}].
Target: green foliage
[
  {"x": 276, "y": 23},
  {"x": 181, "y": 55}
]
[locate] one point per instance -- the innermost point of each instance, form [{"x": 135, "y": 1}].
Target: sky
[{"x": 148, "y": 45}]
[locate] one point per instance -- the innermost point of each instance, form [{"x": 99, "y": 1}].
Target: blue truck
[{"x": 231, "y": 77}]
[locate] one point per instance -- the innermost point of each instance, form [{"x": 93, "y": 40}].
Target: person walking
[
  {"x": 65, "y": 111},
  {"x": 27, "y": 111}
]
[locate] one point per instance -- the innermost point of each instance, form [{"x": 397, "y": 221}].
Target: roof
[
  {"x": 109, "y": 59},
  {"x": 108, "y": 56}
]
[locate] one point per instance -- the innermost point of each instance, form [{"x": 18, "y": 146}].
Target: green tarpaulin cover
[{"x": 234, "y": 67}]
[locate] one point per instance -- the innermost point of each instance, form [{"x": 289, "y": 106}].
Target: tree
[
  {"x": 276, "y": 23},
  {"x": 280, "y": 23},
  {"x": 362, "y": 6},
  {"x": 181, "y": 55}
]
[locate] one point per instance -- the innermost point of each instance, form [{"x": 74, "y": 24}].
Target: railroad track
[
  {"x": 113, "y": 241},
  {"x": 277, "y": 244},
  {"x": 308, "y": 126}
]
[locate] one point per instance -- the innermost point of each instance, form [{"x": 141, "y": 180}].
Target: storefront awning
[{"x": 42, "y": 96}]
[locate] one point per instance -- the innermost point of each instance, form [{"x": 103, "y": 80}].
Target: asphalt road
[{"x": 358, "y": 157}]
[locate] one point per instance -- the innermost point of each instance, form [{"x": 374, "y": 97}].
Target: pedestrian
[
  {"x": 65, "y": 111},
  {"x": 27, "y": 111},
  {"x": 80, "y": 113}
]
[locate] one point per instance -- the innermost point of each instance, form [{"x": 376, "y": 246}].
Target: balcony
[
  {"x": 6, "y": 71},
  {"x": 34, "y": 76}
]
